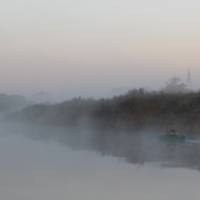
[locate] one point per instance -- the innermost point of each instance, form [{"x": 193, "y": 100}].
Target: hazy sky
[{"x": 87, "y": 47}]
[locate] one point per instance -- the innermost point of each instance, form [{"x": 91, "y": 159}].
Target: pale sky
[{"x": 86, "y": 48}]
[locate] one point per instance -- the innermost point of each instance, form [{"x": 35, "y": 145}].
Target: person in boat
[{"x": 172, "y": 131}]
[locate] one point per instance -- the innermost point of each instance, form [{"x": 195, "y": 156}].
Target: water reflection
[
  {"x": 125, "y": 146},
  {"x": 46, "y": 163}
]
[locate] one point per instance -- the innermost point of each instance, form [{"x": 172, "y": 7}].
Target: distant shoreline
[{"x": 137, "y": 111}]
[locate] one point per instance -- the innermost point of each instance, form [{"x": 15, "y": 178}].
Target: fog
[
  {"x": 129, "y": 147},
  {"x": 88, "y": 48},
  {"x": 79, "y": 53},
  {"x": 48, "y": 162},
  {"x": 65, "y": 81}
]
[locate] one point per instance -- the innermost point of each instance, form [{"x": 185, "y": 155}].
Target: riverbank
[{"x": 137, "y": 111}]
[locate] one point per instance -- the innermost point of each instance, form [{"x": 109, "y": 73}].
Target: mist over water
[
  {"x": 95, "y": 83},
  {"x": 48, "y": 162}
]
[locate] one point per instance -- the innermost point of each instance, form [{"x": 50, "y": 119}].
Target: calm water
[{"x": 45, "y": 164}]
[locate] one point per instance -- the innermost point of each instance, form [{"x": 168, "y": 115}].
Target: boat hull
[{"x": 171, "y": 138}]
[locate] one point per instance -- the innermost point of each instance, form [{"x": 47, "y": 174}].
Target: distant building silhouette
[{"x": 189, "y": 80}]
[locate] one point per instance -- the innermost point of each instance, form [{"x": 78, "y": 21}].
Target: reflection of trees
[{"x": 127, "y": 146}]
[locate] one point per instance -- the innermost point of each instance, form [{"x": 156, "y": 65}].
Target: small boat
[{"x": 171, "y": 138}]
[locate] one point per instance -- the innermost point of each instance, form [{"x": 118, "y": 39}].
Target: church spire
[{"x": 189, "y": 80}]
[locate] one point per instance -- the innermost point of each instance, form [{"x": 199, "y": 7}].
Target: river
[{"x": 48, "y": 163}]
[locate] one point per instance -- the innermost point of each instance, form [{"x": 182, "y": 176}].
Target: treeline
[
  {"x": 9, "y": 103},
  {"x": 136, "y": 111}
]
